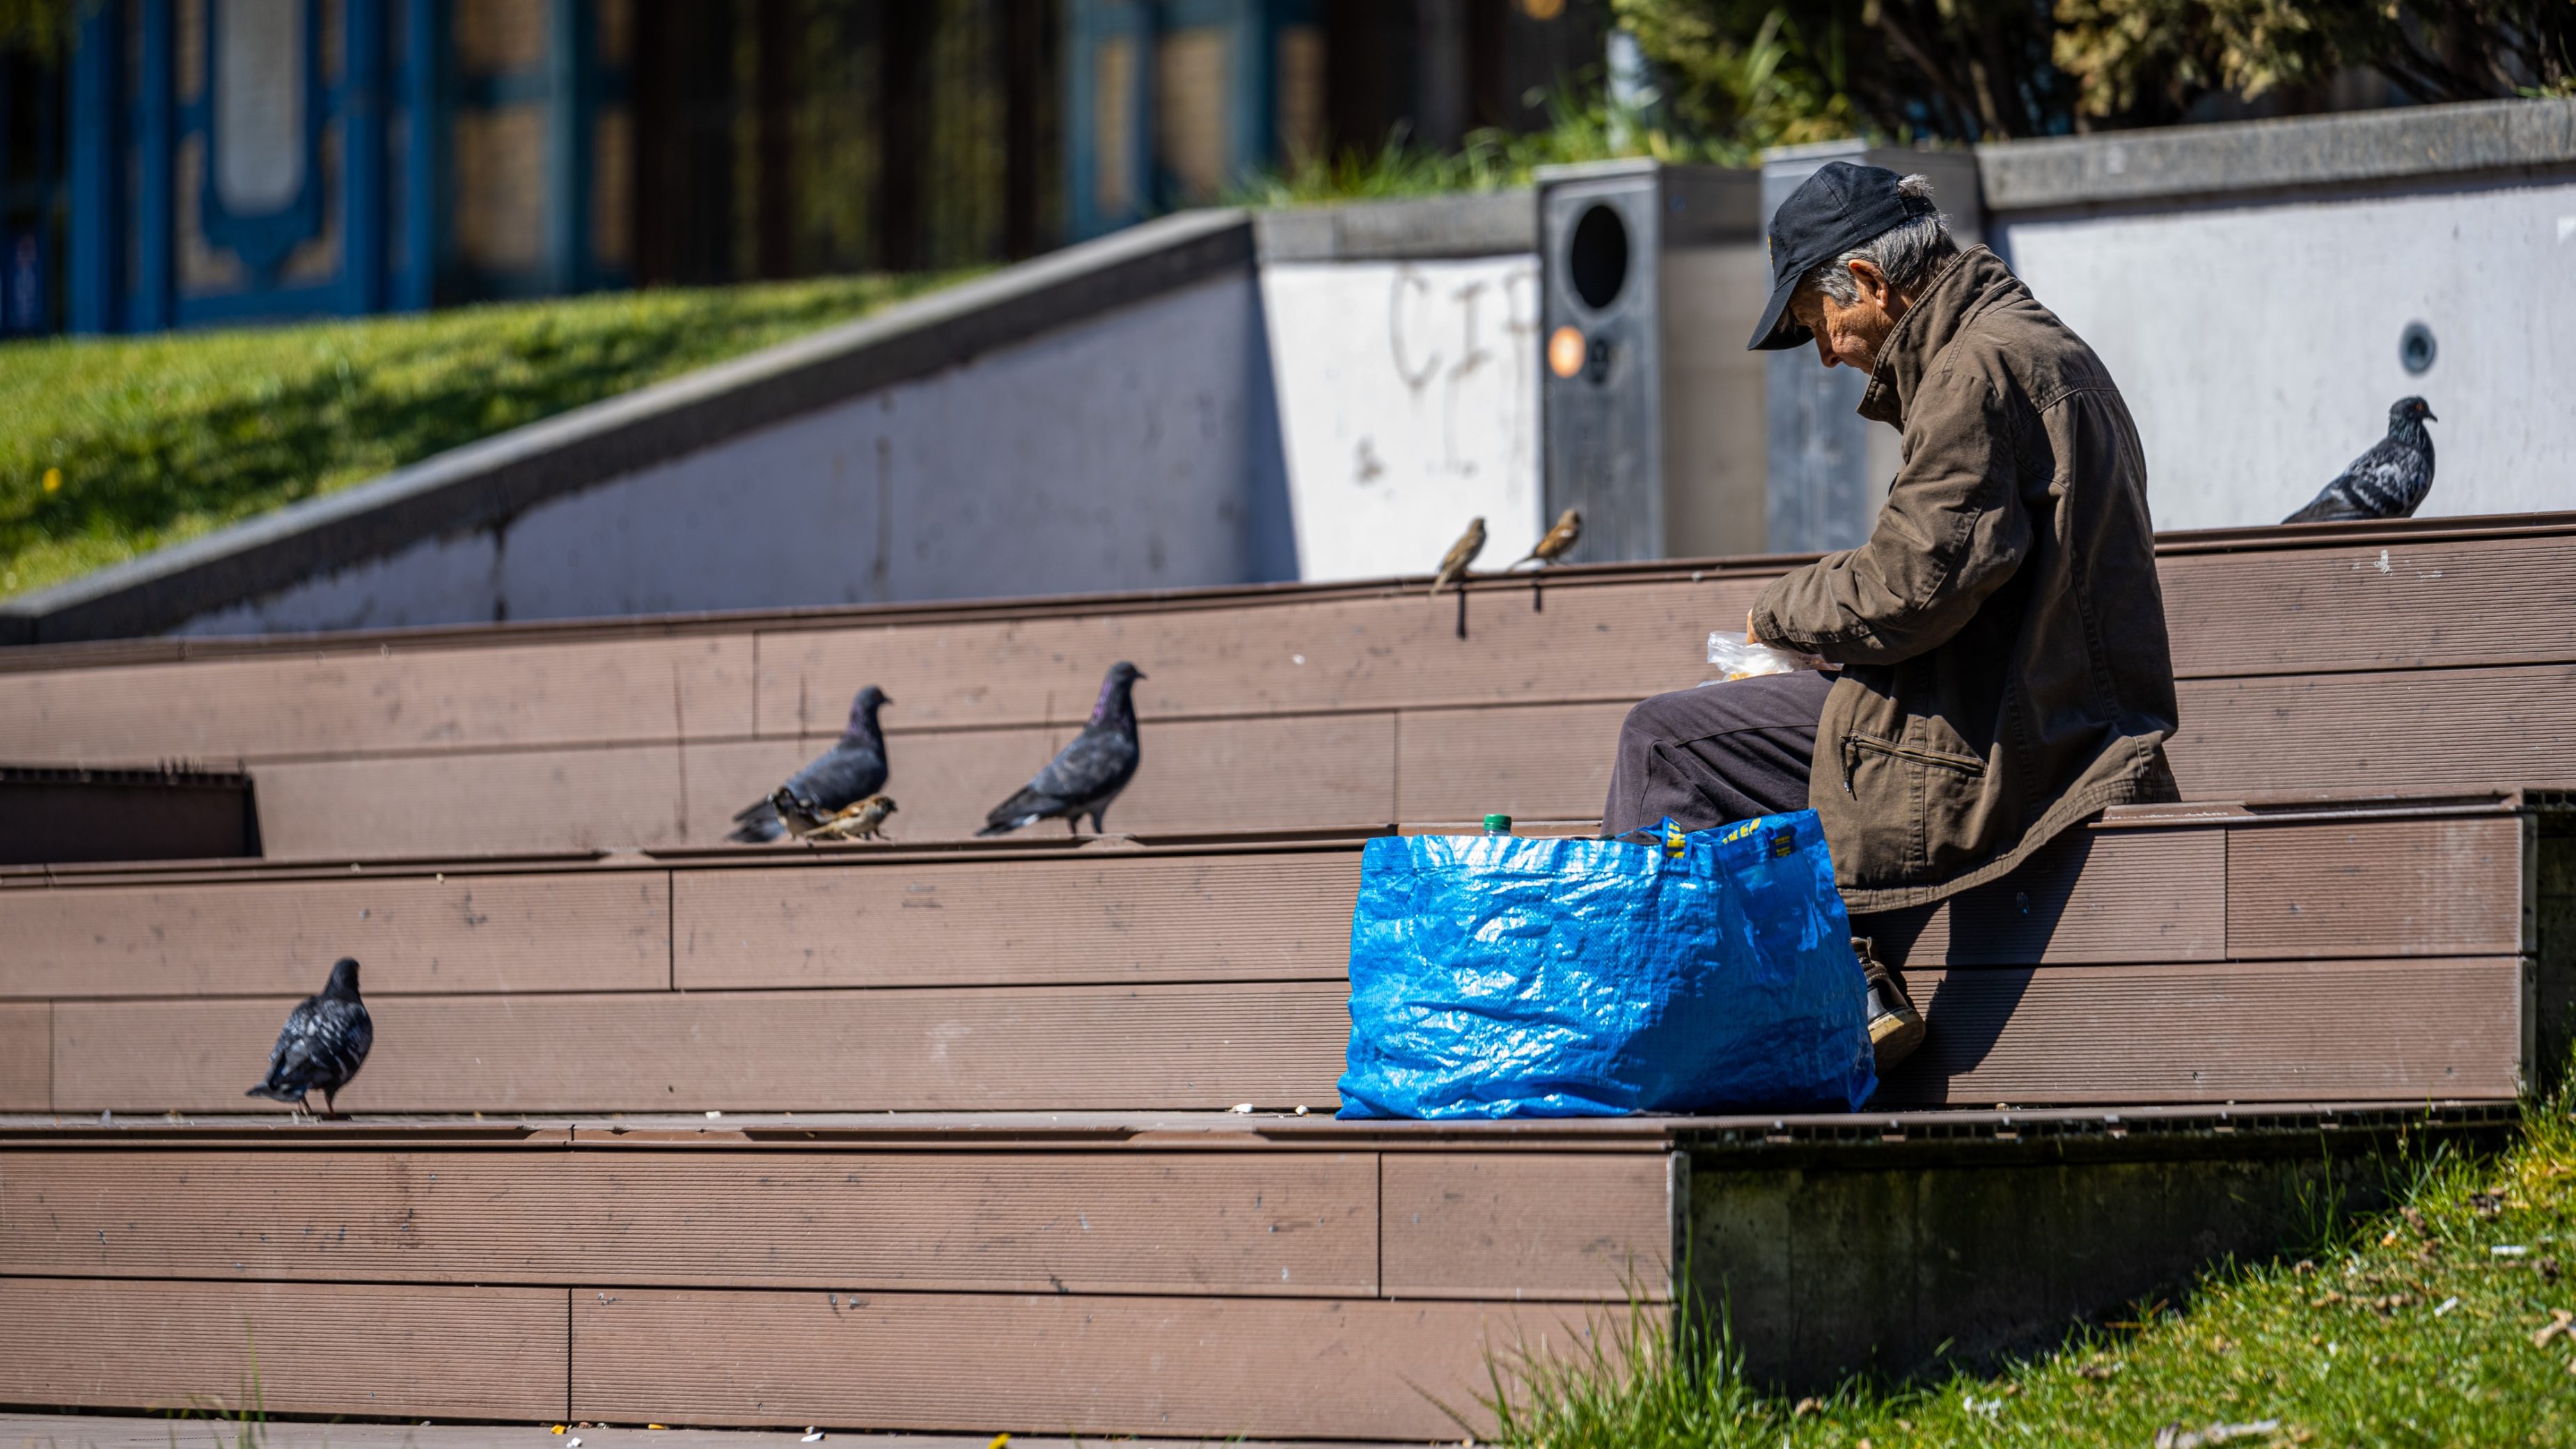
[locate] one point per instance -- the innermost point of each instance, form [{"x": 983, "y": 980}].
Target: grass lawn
[
  {"x": 112, "y": 447},
  {"x": 2441, "y": 1323}
]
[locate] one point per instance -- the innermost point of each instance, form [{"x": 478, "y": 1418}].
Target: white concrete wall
[
  {"x": 1137, "y": 451},
  {"x": 1408, "y": 404},
  {"x": 2257, "y": 345}
]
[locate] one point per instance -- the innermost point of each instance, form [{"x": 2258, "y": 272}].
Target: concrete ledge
[
  {"x": 2271, "y": 156},
  {"x": 1496, "y": 223},
  {"x": 486, "y": 482}
]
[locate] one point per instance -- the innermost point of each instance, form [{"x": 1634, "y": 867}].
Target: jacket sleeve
[{"x": 1954, "y": 530}]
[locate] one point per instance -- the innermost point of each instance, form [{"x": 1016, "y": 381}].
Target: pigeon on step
[
  {"x": 1085, "y": 775},
  {"x": 850, "y": 771},
  {"x": 2390, "y": 480},
  {"x": 325, "y": 1042}
]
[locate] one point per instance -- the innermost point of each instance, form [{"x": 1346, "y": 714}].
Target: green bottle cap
[{"x": 1498, "y": 825}]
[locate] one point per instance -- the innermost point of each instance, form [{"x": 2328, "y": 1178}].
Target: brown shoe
[{"x": 1895, "y": 1027}]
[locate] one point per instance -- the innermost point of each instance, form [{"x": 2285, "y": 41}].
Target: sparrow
[
  {"x": 1561, "y": 536},
  {"x": 862, "y": 821},
  {"x": 1453, "y": 564}
]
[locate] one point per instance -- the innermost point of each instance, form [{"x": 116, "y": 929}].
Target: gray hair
[{"x": 1905, "y": 254}]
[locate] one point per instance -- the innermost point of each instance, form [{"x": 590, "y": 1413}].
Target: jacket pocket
[{"x": 1854, "y": 746}]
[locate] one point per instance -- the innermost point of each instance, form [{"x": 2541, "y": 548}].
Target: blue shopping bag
[{"x": 1512, "y": 976}]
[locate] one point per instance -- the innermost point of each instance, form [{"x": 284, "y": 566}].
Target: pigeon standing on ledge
[
  {"x": 325, "y": 1042},
  {"x": 2390, "y": 480},
  {"x": 850, "y": 771},
  {"x": 1088, "y": 773}
]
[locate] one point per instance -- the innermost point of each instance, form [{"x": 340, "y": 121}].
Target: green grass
[
  {"x": 2354, "y": 1346},
  {"x": 1582, "y": 127},
  {"x": 110, "y": 448}
]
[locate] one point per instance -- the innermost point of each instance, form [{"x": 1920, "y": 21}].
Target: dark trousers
[
  {"x": 1717, "y": 753},
  {"x": 1733, "y": 751}
]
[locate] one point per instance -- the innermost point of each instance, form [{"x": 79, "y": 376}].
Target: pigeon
[
  {"x": 1085, "y": 775},
  {"x": 1453, "y": 564},
  {"x": 324, "y": 1043},
  {"x": 851, "y": 770},
  {"x": 1560, "y": 536},
  {"x": 862, "y": 821},
  {"x": 2390, "y": 480}
]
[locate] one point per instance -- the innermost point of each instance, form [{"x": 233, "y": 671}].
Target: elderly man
[{"x": 2004, "y": 672}]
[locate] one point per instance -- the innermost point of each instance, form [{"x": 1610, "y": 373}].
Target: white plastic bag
[{"x": 1737, "y": 659}]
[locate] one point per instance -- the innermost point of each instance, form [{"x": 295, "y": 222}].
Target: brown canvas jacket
[{"x": 2006, "y": 672}]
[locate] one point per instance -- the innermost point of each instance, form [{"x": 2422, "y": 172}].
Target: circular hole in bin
[
  {"x": 2415, "y": 347},
  {"x": 1599, "y": 260}
]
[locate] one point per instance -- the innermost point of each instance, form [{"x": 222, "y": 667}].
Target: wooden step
[
  {"x": 1168, "y": 1275},
  {"x": 2186, "y": 953},
  {"x": 2428, "y": 657},
  {"x": 1310, "y": 1280}
]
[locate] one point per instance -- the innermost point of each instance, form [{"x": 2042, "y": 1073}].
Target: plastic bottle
[{"x": 1498, "y": 825}]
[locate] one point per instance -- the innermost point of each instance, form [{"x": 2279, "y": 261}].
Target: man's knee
[{"x": 1665, "y": 718}]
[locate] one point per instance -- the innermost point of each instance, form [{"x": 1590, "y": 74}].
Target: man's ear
[{"x": 1871, "y": 282}]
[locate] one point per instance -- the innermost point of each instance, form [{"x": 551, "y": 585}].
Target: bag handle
[
  {"x": 1666, "y": 834},
  {"x": 1784, "y": 839}
]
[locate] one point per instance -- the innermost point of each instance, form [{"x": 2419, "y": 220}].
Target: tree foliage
[
  {"x": 41, "y": 28},
  {"x": 2161, "y": 55},
  {"x": 1774, "y": 72},
  {"x": 1769, "y": 72}
]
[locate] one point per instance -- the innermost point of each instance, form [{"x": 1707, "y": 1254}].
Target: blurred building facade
[{"x": 201, "y": 162}]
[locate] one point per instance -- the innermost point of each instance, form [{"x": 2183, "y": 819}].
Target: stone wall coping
[
  {"x": 1426, "y": 228},
  {"x": 2408, "y": 143}
]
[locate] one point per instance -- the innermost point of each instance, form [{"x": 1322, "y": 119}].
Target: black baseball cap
[{"x": 1841, "y": 207}]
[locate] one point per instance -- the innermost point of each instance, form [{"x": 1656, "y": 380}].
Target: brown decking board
[
  {"x": 586, "y": 798},
  {"x": 2388, "y": 1031},
  {"x": 1278, "y": 1044},
  {"x": 2438, "y": 1027},
  {"x": 1301, "y": 1224},
  {"x": 2094, "y": 896},
  {"x": 1242, "y": 775},
  {"x": 1537, "y": 761},
  {"x": 1358, "y": 654},
  {"x": 452, "y": 1352},
  {"x": 2415, "y": 732},
  {"x": 1121, "y": 1366},
  {"x": 1180, "y": 918},
  {"x": 2387, "y": 603},
  {"x": 2448, "y": 885},
  {"x": 1527, "y": 1225},
  {"x": 602, "y": 931},
  {"x": 342, "y": 701},
  {"x": 26, "y": 1056}
]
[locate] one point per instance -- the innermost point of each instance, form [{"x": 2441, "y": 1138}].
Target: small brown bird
[
  {"x": 798, "y": 813},
  {"x": 1560, "y": 537},
  {"x": 1453, "y": 564},
  {"x": 864, "y": 820}
]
